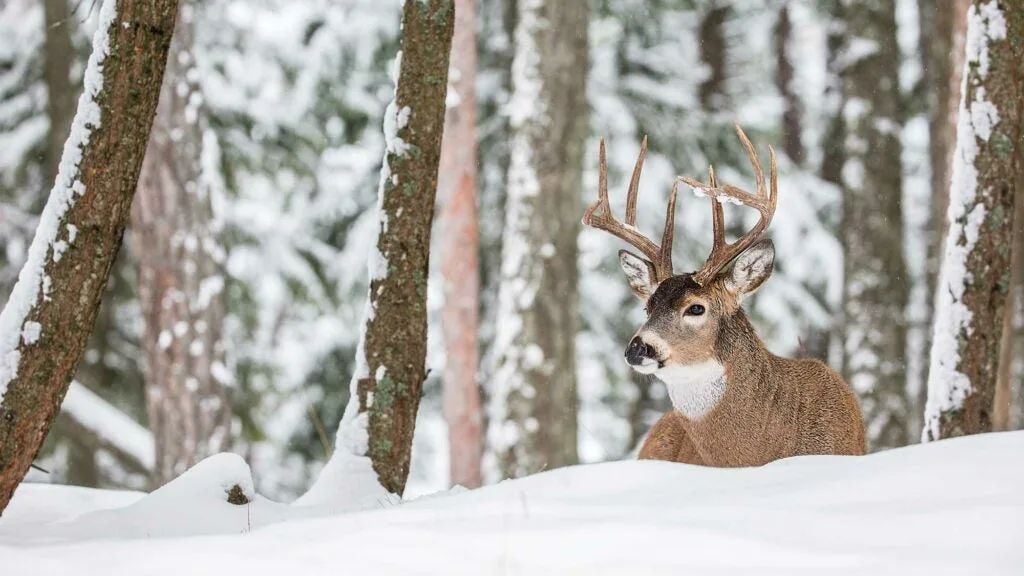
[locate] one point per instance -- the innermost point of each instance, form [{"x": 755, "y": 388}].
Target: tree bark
[
  {"x": 392, "y": 353},
  {"x": 45, "y": 325},
  {"x": 875, "y": 290},
  {"x": 792, "y": 112},
  {"x": 833, "y": 153},
  {"x": 713, "y": 52},
  {"x": 937, "y": 40},
  {"x": 460, "y": 262},
  {"x": 1003, "y": 396},
  {"x": 534, "y": 395},
  {"x": 178, "y": 255},
  {"x": 976, "y": 269},
  {"x": 60, "y": 95}
]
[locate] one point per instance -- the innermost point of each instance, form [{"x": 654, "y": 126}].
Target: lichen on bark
[
  {"x": 395, "y": 338},
  {"x": 975, "y": 279}
]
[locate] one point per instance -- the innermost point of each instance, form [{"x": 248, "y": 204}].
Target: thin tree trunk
[
  {"x": 713, "y": 52},
  {"x": 178, "y": 253},
  {"x": 957, "y": 12},
  {"x": 534, "y": 397},
  {"x": 392, "y": 352},
  {"x": 58, "y": 57},
  {"x": 460, "y": 262},
  {"x": 976, "y": 269},
  {"x": 875, "y": 288},
  {"x": 792, "y": 112},
  {"x": 45, "y": 325},
  {"x": 60, "y": 96},
  {"x": 1003, "y": 396}
]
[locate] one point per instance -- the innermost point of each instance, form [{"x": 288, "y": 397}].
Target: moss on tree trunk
[
  {"x": 109, "y": 169},
  {"x": 994, "y": 96},
  {"x": 395, "y": 341}
]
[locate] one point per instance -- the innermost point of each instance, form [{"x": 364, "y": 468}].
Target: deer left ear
[{"x": 751, "y": 269}]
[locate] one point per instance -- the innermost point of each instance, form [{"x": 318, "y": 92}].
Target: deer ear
[
  {"x": 751, "y": 269},
  {"x": 639, "y": 273}
]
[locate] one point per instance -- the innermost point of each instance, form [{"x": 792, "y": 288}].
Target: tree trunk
[
  {"x": 713, "y": 52},
  {"x": 792, "y": 112},
  {"x": 875, "y": 288},
  {"x": 60, "y": 96},
  {"x": 393, "y": 347},
  {"x": 957, "y": 13},
  {"x": 178, "y": 254},
  {"x": 976, "y": 266},
  {"x": 460, "y": 262},
  {"x": 1003, "y": 396},
  {"x": 937, "y": 39},
  {"x": 534, "y": 399},
  {"x": 833, "y": 153},
  {"x": 58, "y": 56},
  {"x": 45, "y": 325}
]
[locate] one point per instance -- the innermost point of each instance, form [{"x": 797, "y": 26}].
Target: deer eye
[{"x": 695, "y": 310}]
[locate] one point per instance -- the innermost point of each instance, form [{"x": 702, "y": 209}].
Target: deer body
[
  {"x": 771, "y": 408},
  {"x": 735, "y": 403}
]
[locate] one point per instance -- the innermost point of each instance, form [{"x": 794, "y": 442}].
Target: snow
[
  {"x": 902, "y": 511},
  {"x": 947, "y": 385},
  {"x": 109, "y": 423},
  {"x": 32, "y": 278}
]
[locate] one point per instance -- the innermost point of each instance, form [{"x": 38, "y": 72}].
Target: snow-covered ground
[{"x": 954, "y": 506}]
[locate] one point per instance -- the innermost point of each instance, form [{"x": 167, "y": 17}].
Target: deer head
[{"x": 686, "y": 312}]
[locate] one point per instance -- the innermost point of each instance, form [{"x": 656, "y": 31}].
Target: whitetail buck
[{"x": 735, "y": 403}]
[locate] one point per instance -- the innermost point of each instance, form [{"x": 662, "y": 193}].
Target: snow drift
[{"x": 946, "y": 507}]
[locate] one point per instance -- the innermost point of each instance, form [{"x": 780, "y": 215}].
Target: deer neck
[{"x": 696, "y": 389}]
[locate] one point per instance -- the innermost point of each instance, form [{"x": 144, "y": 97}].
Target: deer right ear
[{"x": 639, "y": 273}]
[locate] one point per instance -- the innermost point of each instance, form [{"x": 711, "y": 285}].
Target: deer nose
[{"x": 637, "y": 351}]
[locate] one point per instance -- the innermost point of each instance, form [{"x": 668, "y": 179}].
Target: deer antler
[
  {"x": 599, "y": 215},
  {"x": 763, "y": 201}
]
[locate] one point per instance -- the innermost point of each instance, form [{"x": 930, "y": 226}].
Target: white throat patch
[{"x": 694, "y": 388}]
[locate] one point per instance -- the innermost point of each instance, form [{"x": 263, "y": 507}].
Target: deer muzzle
[{"x": 642, "y": 356}]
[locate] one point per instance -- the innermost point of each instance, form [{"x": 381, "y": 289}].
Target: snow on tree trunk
[
  {"x": 976, "y": 271},
  {"x": 48, "y": 318},
  {"x": 533, "y": 390},
  {"x": 459, "y": 255},
  {"x": 179, "y": 256},
  {"x": 875, "y": 288},
  {"x": 390, "y": 360}
]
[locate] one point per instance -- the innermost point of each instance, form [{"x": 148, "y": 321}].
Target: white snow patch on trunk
[
  {"x": 947, "y": 386},
  {"x": 30, "y": 286}
]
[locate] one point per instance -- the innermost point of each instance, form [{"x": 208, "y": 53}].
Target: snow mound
[{"x": 953, "y": 506}]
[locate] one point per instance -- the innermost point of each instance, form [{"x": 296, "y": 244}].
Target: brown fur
[{"x": 772, "y": 407}]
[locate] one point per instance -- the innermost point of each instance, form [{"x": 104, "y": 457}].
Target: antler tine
[
  {"x": 663, "y": 266},
  {"x": 764, "y": 201},
  {"x": 599, "y": 215},
  {"x": 717, "y": 213},
  {"x": 634, "y": 184}
]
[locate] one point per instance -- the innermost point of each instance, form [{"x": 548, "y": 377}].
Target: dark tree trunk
[
  {"x": 394, "y": 347},
  {"x": 60, "y": 95},
  {"x": 44, "y": 328},
  {"x": 976, "y": 269},
  {"x": 875, "y": 288},
  {"x": 713, "y": 53},
  {"x": 534, "y": 385},
  {"x": 178, "y": 254},
  {"x": 460, "y": 263},
  {"x": 792, "y": 112}
]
